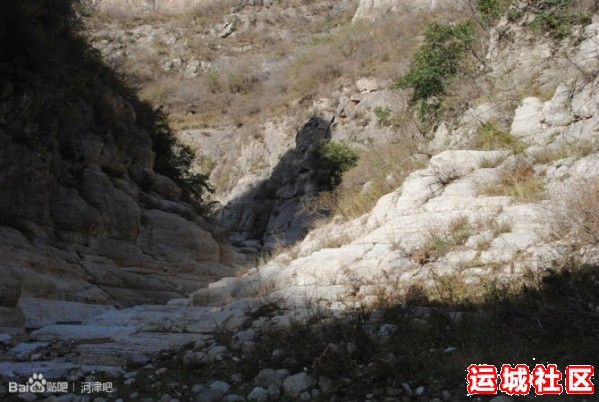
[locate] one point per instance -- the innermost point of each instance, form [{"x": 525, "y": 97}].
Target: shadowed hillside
[{"x": 98, "y": 201}]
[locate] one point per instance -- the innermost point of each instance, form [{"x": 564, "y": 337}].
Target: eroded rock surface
[{"x": 84, "y": 218}]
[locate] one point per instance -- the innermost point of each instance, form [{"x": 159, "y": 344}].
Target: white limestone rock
[
  {"x": 42, "y": 312},
  {"x": 298, "y": 383}
]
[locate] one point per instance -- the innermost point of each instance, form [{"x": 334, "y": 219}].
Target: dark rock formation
[
  {"x": 83, "y": 215},
  {"x": 276, "y": 210}
]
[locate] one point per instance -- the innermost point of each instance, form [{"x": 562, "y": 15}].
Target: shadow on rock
[{"x": 279, "y": 210}]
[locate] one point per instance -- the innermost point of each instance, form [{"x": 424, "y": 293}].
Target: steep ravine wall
[{"x": 83, "y": 216}]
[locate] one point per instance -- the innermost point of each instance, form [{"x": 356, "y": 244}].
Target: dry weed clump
[
  {"x": 491, "y": 137},
  {"x": 380, "y": 170},
  {"x": 571, "y": 149},
  {"x": 441, "y": 241},
  {"x": 577, "y": 218},
  {"x": 519, "y": 182}
]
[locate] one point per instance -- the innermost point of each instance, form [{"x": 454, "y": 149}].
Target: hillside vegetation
[{"x": 409, "y": 188}]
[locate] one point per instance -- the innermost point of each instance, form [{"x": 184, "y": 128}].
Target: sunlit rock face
[
  {"x": 375, "y": 9},
  {"x": 135, "y": 7}
]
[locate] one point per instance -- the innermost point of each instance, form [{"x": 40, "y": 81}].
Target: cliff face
[{"x": 83, "y": 215}]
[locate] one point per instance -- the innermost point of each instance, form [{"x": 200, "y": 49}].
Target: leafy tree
[{"x": 438, "y": 60}]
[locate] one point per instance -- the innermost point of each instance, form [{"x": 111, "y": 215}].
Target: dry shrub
[
  {"x": 578, "y": 216},
  {"x": 441, "y": 241},
  {"x": 160, "y": 91},
  {"x": 518, "y": 182},
  {"x": 213, "y": 11},
  {"x": 575, "y": 149},
  {"x": 380, "y": 170}
]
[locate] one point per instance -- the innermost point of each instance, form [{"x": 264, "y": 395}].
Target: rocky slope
[
  {"x": 502, "y": 193},
  {"x": 510, "y": 226},
  {"x": 84, "y": 216}
]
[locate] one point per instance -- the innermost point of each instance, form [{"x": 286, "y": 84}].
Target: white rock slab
[
  {"x": 81, "y": 332},
  {"x": 43, "y": 312}
]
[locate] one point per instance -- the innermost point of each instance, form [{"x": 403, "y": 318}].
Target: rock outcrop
[
  {"x": 83, "y": 215},
  {"x": 132, "y": 8},
  {"x": 511, "y": 232},
  {"x": 274, "y": 210},
  {"x": 88, "y": 221},
  {"x": 137, "y": 7},
  {"x": 375, "y": 9}
]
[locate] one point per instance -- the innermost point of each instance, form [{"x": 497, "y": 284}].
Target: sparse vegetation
[
  {"x": 312, "y": 62},
  {"x": 460, "y": 230},
  {"x": 497, "y": 226},
  {"x": 491, "y": 137},
  {"x": 383, "y": 116},
  {"x": 572, "y": 149},
  {"x": 492, "y": 9},
  {"x": 380, "y": 170},
  {"x": 577, "y": 219},
  {"x": 443, "y": 240},
  {"x": 558, "y": 17},
  {"x": 337, "y": 157},
  {"x": 519, "y": 182},
  {"x": 436, "y": 63},
  {"x": 488, "y": 163}
]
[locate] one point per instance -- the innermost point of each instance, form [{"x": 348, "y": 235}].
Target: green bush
[
  {"x": 438, "y": 60},
  {"x": 559, "y": 17},
  {"x": 492, "y": 9},
  {"x": 337, "y": 157}
]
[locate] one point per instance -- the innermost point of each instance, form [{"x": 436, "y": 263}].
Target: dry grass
[
  {"x": 577, "y": 219},
  {"x": 491, "y": 137},
  {"x": 518, "y": 182},
  {"x": 334, "y": 240},
  {"x": 273, "y": 75},
  {"x": 488, "y": 163},
  {"x": 572, "y": 149},
  {"x": 498, "y": 227},
  {"x": 441, "y": 241},
  {"x": 380, "y": 170}
]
